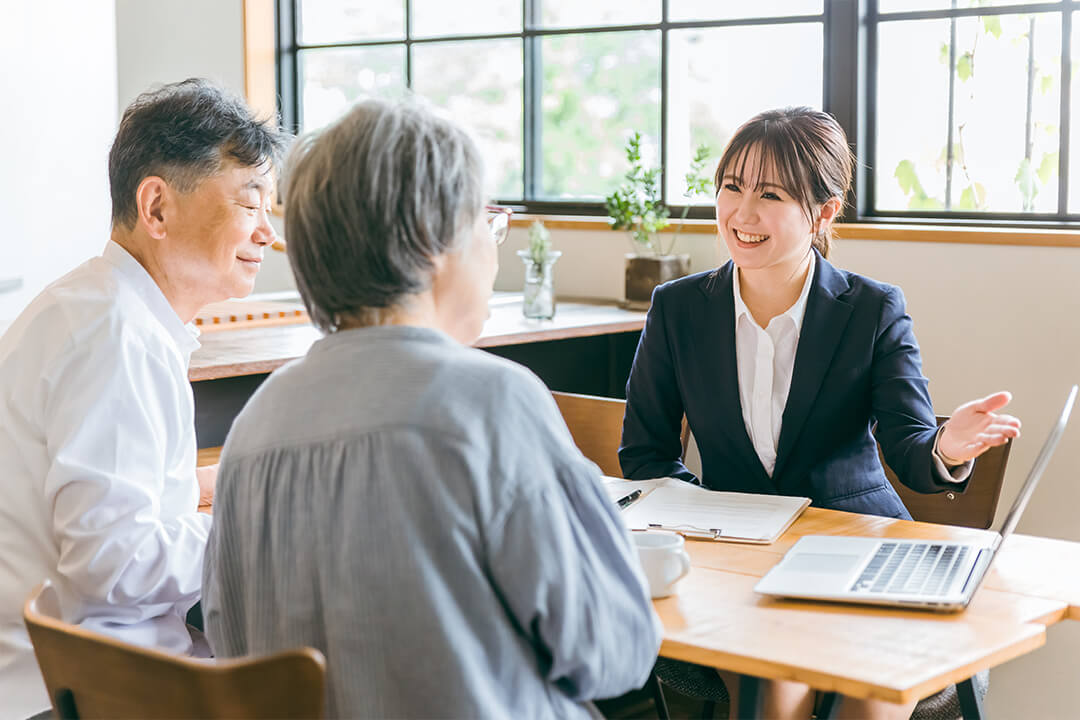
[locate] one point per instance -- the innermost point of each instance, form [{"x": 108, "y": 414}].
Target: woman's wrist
[{"x": 945, "y": 457}]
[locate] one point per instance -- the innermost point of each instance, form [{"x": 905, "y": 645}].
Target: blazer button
[{"x": 951, "y": 496}]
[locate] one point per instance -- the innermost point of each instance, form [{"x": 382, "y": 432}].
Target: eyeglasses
[{"x": 498, "y": 218}]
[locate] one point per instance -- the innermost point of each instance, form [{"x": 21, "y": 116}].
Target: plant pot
[
  {"x": 645, "y": 272},
  {"x": 538, "y": 300}
]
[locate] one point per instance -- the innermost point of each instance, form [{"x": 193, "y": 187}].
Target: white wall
[
  {"x": 986, "y": 317},
  {"x": 59, "y": 88}
]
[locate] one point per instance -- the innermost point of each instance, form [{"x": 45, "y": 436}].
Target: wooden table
[
  {"x": 868, "y": 652},
  {"x": 232, "y": 353}
]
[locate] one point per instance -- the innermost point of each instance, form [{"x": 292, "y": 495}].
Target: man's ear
[{"x": 151, "y": 197}]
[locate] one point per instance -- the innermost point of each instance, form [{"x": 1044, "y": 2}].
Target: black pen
[{"x": 624, "y": 502}]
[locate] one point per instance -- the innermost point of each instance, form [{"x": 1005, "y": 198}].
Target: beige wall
[{"x": 162, "y": 41}]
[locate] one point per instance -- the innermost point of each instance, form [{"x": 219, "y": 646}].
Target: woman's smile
[{"x": 746, "y": 239}]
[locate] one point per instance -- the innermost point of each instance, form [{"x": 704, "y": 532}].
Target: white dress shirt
[
  {"x": 766, "y": 362},
  {"x": 97, "y": 446}
]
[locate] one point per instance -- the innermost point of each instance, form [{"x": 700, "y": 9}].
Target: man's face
[{"x": 217, "y": 234}]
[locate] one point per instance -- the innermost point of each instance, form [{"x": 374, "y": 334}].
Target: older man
[{"x": 97, "y": 440}]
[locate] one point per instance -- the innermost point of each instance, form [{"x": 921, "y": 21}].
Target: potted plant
[
  {"x": 636, "y": 206},
  {"x": 539, "y": 296}
]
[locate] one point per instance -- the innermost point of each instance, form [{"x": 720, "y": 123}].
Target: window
[
  {"x": 958, "y": 109},
  {"x": 970, "y": 115},
  {"x": 552, "y": 89}
]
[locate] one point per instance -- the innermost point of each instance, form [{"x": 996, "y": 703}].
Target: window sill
[{"x": 1033, "y": 237}]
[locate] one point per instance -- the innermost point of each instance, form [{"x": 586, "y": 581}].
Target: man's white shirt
[{"x": 97, "y": 450}]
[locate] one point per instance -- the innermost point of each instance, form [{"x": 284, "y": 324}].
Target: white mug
[{"x": 664, "y": 560}]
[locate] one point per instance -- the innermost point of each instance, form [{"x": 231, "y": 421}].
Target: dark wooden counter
[{"x": 235, "y": 353}]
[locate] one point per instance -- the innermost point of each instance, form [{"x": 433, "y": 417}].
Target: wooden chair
[
  {"x": 974, "y": 508},
  {"x": 596, "y": 425},
  {"x": 91, "y": 675}
]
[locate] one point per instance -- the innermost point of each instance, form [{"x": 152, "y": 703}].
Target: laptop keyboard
[{"x": 911, "y": 568}]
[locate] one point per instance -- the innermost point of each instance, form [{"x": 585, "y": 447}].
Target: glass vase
[{"x": 539, "y": 298}]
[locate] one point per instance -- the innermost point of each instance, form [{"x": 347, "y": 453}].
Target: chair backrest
[
  {"x": 90, "y": 675},
  {"x": 974, "y": 508},
  {"x": 596, "y": 425}
]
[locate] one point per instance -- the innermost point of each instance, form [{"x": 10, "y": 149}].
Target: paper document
[{"x": 694, "y": 511}]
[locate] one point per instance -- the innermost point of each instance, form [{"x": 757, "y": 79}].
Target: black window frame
[{"x": 850, "y": 29}]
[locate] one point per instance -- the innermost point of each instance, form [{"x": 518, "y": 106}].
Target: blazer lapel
[
  {"x": 823, "y": 325},
  {"x": 720, "y": 353}
]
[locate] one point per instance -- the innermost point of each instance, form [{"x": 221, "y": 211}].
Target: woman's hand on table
[{"x": 975, "y": 427}]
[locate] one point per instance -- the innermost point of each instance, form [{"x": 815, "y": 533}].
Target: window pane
[
  {"x": 890, "y": 6},
  {"x": 332, "y": 79},
  {"x": 679, "y": 10},
  {"x": 465, "y": 17},
  {"x": 1005, "y": 125},
  {"x": 575, "y": 13},
  {"x": 328, "y": 21},
  {"x": 598, "y": 89},
  {"x": 479, "y": 84},
  {"x": 708, "y": 98}
]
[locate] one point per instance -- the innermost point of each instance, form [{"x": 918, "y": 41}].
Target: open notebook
[{"x": 671, "y": 504}]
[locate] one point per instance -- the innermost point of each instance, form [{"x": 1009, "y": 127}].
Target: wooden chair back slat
[
  {"x": 974, "y": 508},
  {"x": 90, "y": 675},
  {"x": 595, "y": 423}
]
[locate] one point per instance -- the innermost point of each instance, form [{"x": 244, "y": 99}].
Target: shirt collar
[
  {"x": 186, "y": 336},
  {"x": 795, "y": 312}
]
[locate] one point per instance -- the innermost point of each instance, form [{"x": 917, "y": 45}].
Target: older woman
[{"x": 415, "y": 508}]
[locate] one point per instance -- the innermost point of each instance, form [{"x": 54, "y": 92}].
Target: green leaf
[
  {"x": 967, "y": 199},
  {"x": 1027, "y": 182},
  {"x": 943, "y": 54},
  {"x": 921, "y": 202},
  {"x": 992, "y": 25},
  {"x": 972, "y": 198},
  {"x": 909, "y": 181},
  {"x": 965, "y": 66},
  {"x": 1048, "y": 167},
  {"x": 1046, "y": 82}
]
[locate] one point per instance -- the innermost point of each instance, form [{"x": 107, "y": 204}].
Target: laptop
[{"x": 935, "y": 575}]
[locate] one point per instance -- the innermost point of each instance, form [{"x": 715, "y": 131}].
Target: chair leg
[
  {"x": 653, "y": 683},
  {"x": 65, "y": 705},
  {"x": 749, "y": 698},
  {"x": 970, "y": 702},
  {"x": 827, "y": 707}
]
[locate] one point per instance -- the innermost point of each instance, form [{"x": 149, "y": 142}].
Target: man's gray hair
[{"x": 370, "y": 201}]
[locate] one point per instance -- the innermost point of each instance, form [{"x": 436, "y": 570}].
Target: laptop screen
[{"x": 1037, "y": 469}]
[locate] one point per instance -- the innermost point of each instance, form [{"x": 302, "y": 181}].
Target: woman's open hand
[{"x": 975, "y": 427}]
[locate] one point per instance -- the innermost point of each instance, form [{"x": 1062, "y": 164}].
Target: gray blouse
[{"x": 418, "y": 511}]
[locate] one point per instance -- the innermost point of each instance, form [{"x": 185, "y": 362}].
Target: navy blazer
[{"x": 857, "y": 364}]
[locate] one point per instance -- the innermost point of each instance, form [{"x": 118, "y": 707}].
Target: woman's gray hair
[{"x": 370, "y": 201}]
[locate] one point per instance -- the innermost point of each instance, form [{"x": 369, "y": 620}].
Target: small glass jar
[{"x": 539, "y": 300}]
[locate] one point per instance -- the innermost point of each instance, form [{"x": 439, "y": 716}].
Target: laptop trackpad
[{"x": 806, "y": 562}]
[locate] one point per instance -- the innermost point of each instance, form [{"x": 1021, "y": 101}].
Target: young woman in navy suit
[{"x": 787, "y": 367}]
